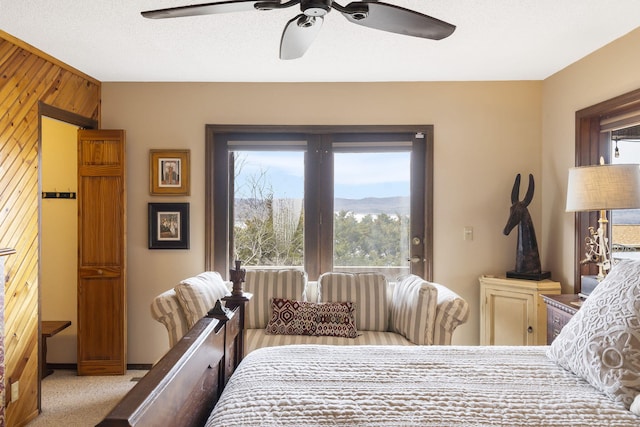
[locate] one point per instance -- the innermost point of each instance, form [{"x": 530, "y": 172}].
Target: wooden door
[{"x": 101, "y": 252}]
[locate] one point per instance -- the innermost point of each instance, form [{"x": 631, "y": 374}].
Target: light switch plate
[
  {"x": 468, "y": 233},
  {"x": 15, "y": 391}
]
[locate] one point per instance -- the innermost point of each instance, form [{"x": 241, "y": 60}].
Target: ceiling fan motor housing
[{"x": 315, "y": 7}]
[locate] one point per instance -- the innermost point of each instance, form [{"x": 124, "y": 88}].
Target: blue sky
[{"x": 357, "y": 175}]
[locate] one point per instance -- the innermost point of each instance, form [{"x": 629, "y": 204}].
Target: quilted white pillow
[
  {"x": 198, "y": 295},
  {"x": 601, "y": 342}
]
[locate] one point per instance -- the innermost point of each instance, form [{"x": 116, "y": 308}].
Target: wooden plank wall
[{"x": 27, "y": 77}]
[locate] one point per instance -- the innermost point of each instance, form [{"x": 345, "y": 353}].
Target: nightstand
[
  {"x": 560, "y": 309},
  {"x": 512, "y": 311}
]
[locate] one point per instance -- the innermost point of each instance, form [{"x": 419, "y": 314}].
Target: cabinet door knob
[{"x": 530, "y": 329}]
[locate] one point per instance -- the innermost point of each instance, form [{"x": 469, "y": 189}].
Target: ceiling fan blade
[
  {"x": 204, "y": 9},
  {"x": 298, "y": 35},
  {"x": 396, "y": 19}
]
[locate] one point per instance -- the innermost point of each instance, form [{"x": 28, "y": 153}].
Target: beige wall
[
  {"x": 485, "y": 133},
  {"x": 607, "y": 73},
  {"x": 58, "y": 237}
]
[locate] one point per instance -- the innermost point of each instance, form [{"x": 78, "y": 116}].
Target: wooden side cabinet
[
  {"x": 512, "y": 311},
  {"x": 560, "y": 309}
]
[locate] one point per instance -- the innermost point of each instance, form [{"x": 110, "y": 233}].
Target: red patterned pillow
[
  {"x": 290, "y": 317},
  {"x": 336, "y": 319}
]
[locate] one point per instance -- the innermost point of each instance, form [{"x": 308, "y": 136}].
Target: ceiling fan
[{"x": 300, "y": 31}]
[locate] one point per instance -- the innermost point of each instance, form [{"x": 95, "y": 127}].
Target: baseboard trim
[
  {"x": 74, "y": 366},
  {"x": 139, "y": 366}
]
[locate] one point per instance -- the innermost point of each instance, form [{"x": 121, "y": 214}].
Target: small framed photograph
[
  {"x": 168, "y": 225},
  {"x": 169, "y": 172}
]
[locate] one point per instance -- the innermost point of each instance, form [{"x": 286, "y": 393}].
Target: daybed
[
  {"x": 589, "y": 376},
  {"x": 411, "y": 311}
]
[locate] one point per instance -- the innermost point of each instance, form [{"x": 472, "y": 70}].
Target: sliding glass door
[{"x": 329, "y": 199}]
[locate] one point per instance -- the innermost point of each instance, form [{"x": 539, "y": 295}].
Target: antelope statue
[{"x": 527, "y": 257}]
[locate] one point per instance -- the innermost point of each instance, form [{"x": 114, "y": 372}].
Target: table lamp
[{"x": 602, "y": 188}]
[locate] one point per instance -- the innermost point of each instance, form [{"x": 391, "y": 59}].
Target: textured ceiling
[{"x": 494, "y": 40}]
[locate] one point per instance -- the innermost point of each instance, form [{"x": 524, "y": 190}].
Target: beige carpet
[{"x": 69, "y": 400}]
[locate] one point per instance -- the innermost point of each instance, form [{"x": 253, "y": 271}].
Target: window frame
[
  {"x": 591, "y": 144},
  {"x": 219, "y": 188}
]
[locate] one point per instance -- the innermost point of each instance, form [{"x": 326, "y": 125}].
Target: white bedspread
[{"x": 310, "y": 385}]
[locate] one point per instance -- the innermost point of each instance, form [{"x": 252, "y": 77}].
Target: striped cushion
[
  {"x": 166, "y": 309},
  {"x": 451, "y": 312},
  {"x": 268, "y": 284},
  {"x": 198, "y": 295},
  {"x": 413, "y": 309},
  {"x": 368, "y": 291},
  {"x": 258, "y": 338}
]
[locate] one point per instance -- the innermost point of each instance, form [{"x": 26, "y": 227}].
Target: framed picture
[
  {"x": 168, "y": 225},
  {"x": 169, "y": 172}
]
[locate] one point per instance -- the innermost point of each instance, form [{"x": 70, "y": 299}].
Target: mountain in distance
[
  {"x": 625, "y": 217},
  {"x": 374, "y": 205},
  {"x": 368, "y": 205}
]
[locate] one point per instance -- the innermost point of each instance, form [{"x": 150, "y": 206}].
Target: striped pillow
[
  {"x": 266, "y": 285},
  {"x": 368, "y": 292},
  {"x": 198, "y": 295},
  {"x": 166, "y": 309},
  {"x": 452, "y": 311},
  {"x": 413, "y": 310}
]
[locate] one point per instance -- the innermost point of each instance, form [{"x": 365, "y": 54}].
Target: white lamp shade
[{"x": 603, "y": 187}]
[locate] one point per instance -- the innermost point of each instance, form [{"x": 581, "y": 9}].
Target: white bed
[
  {"x": 589, "y": 376},
  {"x": 411, "y": 386}
]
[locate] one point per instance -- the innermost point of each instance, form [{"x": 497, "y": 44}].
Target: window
[
  {"x": 320, "y": 198},
  {"x": 593, "y": 140},
  {"x": 625, "y": 223},
  {"x": 371, "y": 205},
  {"x": 268, "y": 199}
]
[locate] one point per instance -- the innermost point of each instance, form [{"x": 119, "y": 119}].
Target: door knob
[{"x": 415, "y": 259}]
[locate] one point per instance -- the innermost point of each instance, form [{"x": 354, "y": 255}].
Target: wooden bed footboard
[{"x": 184, "y": 386}]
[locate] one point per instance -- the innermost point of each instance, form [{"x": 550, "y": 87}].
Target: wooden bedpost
[
  {"x": 239, "y": 299},
  {"x": 237, "y": 278}
]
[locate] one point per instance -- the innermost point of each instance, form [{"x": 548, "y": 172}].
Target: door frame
[
  {"x": 218, "y": 252},
  {"x": 46, "y": 110}
]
